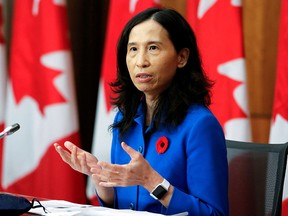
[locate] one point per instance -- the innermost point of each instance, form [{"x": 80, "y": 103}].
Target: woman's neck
[{"x": 150, "y": 107}]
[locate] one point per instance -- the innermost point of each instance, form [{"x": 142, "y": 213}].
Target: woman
[{"x": 168, "y": 150}]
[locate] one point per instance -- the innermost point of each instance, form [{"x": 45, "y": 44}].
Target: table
[{"x": 66, "y": 208}]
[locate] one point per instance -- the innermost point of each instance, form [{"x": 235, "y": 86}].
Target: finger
[
  {"x": 57, "y": 147},
  {"x": 60, "y": 150},
  {"x": 111, "y": 181},
  {"x": 107, "y": 181},
  {"x": 63, "y": 153},
  {"x": 91, "y": 160},
  {"x": 95, "y": 170},
  {"x": 83, "y": 166},
  {"x": 101, "y": 183},
  {"x": 108, "y": 184},
  {"x": 83, "y": 161},
  {"x": 74, "y": 156},
  {"x": 130, "y": 151},
  {"x": 111, "y": 167},
  {"x": 69, "y": 145},
  {"x": 105, "y": 174}
]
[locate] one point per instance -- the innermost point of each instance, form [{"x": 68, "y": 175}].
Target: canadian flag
[
  {"x": 279, "y": 124},
  {"x": 119, "y": 14},
  {"x": 3, "y": 69},
  {"x": 3, "y": 76},
  {"x": 41, "y": 98},
  {"x": 218, "y": 28}
]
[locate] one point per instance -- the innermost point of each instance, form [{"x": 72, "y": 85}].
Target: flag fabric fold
[
  {"x": 3, "y": 77},
  {"x": 119, "y": 13},
  {"x": 41, "y": 98},
  {"x": 279, "y": 124},
  {"x": 218, "y": 28},
  {"x": 3, "y": 68}
]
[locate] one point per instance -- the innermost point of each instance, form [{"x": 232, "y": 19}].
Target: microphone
[{"x": 9, "y": 130}]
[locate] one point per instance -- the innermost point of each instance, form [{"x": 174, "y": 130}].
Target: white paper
[{"x": 65, "y": 208}]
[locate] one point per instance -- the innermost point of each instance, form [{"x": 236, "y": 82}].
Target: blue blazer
[{"x": 195, "y": 163}]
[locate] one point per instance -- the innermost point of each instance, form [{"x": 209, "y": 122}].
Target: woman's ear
[{"x": 183, "y": 56}]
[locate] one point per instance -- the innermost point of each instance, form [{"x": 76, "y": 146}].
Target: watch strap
[{"x": 165, "y": 184}]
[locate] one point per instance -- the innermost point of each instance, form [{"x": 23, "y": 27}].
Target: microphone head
[
  {"x": 9, "y": 130},
  {"x": 13, "y": 128}
]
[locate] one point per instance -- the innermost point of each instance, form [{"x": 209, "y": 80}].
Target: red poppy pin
[{"x": 162, "y": 145}]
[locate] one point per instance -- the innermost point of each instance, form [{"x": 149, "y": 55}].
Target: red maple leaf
[
  {"x": 219, "y": 35},
  {"x": 38, "y": 29}
]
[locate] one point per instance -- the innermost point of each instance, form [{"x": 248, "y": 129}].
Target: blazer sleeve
[{"x": 207, "y": 171}]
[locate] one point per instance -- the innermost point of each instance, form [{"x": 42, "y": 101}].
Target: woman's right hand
[
  {"x": 80, "y": 160},
  {"x": 83, "y": 161}
]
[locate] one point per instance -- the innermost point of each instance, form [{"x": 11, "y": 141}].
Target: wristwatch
[{"x": 160, "y": 190}]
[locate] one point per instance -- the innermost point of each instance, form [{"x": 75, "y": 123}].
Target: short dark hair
[{"x": 190, "y": 84}]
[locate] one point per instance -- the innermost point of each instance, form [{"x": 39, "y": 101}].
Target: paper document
[{"x": 65, "y": 208}]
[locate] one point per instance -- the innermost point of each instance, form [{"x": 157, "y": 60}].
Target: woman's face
[{"x": 151, "y": 58}]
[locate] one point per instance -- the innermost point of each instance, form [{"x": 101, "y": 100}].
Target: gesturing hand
[
  {"x": 80, "y": 160},
  {"x": 83, "y": 161},
  {"x": 137, "y": 172}
]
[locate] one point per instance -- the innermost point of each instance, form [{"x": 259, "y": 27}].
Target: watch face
[{"x": 159, "y": 192}]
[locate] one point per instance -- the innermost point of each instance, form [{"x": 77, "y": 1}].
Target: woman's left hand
[{"x": 137, "y": 172}]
